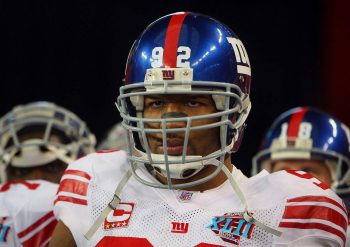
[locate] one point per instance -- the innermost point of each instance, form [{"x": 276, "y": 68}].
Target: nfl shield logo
[{"x": 185, "y": 196}]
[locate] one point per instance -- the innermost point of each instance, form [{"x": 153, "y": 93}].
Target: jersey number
[
  {"x": 29, "y": 185},
  {"x": 130, "y": 241},
  {"x": 184, "y": 53},
  {"x": 309, "y": 176},
  {"x": 304, "y": 132}
]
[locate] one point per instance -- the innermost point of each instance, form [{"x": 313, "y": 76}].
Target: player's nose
[{"x": 174, "y": 124}]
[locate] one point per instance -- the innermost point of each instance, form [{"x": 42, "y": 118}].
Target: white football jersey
[
  {"x": 306, "y": 211},
  {"x": 26, "y": 213}
]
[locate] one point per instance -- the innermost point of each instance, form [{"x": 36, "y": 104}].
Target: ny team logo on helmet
[
  {"x": 308, "y": 133},
  {"x": 185, "y": 53}
]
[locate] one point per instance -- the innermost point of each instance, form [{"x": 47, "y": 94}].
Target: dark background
[{"x": 73, "y": 53}]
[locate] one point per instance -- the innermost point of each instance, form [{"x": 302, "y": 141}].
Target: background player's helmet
[
  {"x": 185, "y": 53},
  {"x": 48, "y": 119},
  {"x": 308, "y": 133},
  {"x": 116, "y": 138}
]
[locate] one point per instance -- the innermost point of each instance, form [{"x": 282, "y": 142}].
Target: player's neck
[{"x": 211, "y": 184}]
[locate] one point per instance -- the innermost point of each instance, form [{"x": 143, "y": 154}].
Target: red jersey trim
[
  {"x": 318, "y": 226},
  {"x": 315, "y": 212},
  {"x": 318, "y": 199},
  {"x": 42, "y": 236},
  {"x": 77, "y": 173},
  {"x": 71, "y": 200},
  {"x": 123, "y": 242},
  {"x": 73, "y": 186},
  {"x": 35, "y": 225}
]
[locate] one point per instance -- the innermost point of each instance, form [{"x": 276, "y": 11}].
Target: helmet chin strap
[{"x": 247, "y": 215}]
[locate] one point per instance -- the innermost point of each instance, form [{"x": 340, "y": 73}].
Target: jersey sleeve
[
  {"x": 314, "y": 216},
  {"x": 71, "y": 203}
]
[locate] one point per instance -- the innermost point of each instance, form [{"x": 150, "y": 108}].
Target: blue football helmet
[
  {"x": 185, "y": 53},
  {"x": 46, "y": 119},
  {"x": 308, "y": 133}
]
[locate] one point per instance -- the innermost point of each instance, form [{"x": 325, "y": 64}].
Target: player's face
[
  {"x": 201, "y": 142},
  {"x": 52, "y": 171},
  {"x": 317, "y": 168}
]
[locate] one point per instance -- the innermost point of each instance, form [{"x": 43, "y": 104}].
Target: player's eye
[
  {"x": 156, "y": 103},
  {"x": 193, "y": 103}
]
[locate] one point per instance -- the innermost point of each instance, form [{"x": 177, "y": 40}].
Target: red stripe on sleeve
[
  {"x": 35, "y": 224},
  {"x": 73, "y": 186},
  {"x": 42, "y": 236},
  {"x": 172, "y": 39},
  {"x": 294, "y": 122},
  {"x": 318, "y": 199},
  {"x": 315, "y": 212},
  {"x": 71, "y": 200},
  {"x": 319, "y": 226},
  {"x": 77, "y": 173}
]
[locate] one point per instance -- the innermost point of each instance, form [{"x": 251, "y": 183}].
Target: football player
[
  {"x": 115, "y": 139},
  {"x": 309, "y": 140},
  {"x": 37, "y": 141},
  {"x": 184, "y": 104}
]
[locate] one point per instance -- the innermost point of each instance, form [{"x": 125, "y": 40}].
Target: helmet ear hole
[
  {"x": 43, "y": 148},
  {"x": 157, "y": 169},
  {"x": 18, "y": 153},
  {"x": 237, "y": 142}
]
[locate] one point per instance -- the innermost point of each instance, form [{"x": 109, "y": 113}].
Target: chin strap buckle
[{"x": 114, "y": 203}]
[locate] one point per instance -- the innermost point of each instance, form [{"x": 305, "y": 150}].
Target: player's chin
[{"x": 174, "y": 150}]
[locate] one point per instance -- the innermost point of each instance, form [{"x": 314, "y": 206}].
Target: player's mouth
[{"x": 173, "y": 147}]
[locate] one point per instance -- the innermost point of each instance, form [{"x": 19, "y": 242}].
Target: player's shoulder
[
  {"x": 309, "y": 208},
  {"x": 311, "y": 205},
  {"x": 26, "y": 187},
  {"x": 104, "y": 161},
  {"x": 289, "y": 185},
  {"x": 103, "y": 169},
  {"x": 26, "y": 195},
  {"x": 299, "y": 183},
  {"x": 86, "y": 181}
]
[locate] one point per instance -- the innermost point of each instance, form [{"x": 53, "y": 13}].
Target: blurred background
[{"x": 73, "y": 53}]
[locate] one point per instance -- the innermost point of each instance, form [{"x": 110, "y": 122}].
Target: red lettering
[
  {"x": 308, "y": 176},
  {"x": 30, "y": 186}
]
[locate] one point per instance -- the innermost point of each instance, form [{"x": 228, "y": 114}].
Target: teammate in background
[
  {"x": 309, "y": 140},
  {"x": 37, "y": 141},
  {"x": 184, "y": 104},
  {"x": 115, "y": 139}
]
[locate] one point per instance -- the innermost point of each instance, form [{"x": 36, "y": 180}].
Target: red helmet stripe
[
  {"x": 294, "y": 122},
  {"x": 172, "y": 39}
]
